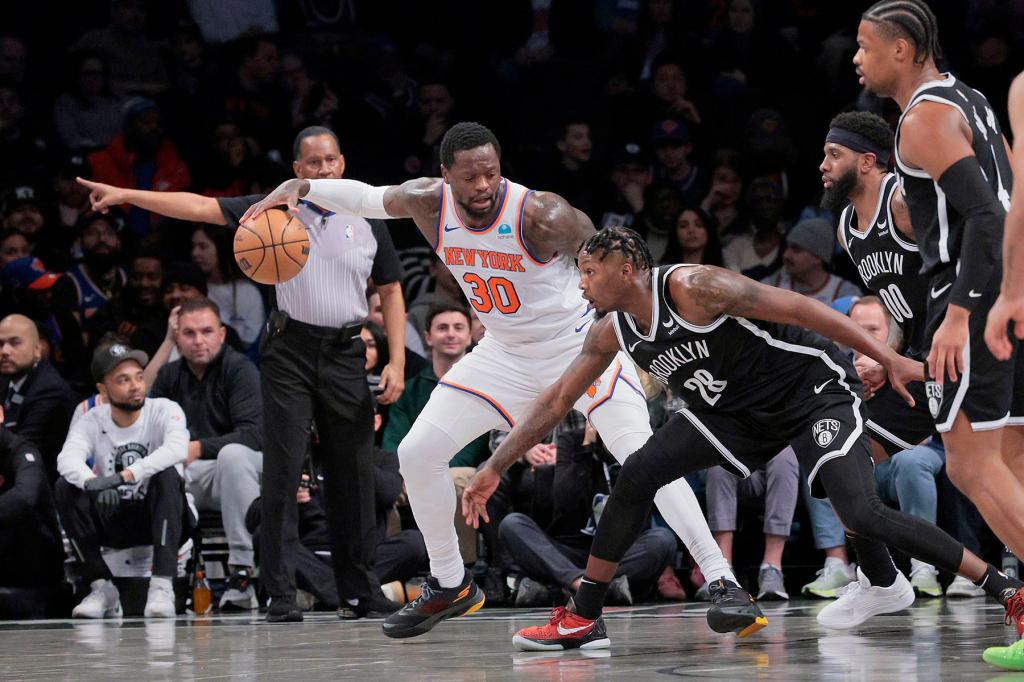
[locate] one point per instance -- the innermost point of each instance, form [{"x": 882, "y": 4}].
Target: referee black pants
[{"x": 307, "y": 374}]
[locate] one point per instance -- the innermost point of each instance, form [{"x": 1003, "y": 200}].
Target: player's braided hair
[
  {"x": 869, "y": 125},
  {"x": 463, "y": 136},
  {"x": 910, "y": 19},
  {"x": 622, "y": 239}
]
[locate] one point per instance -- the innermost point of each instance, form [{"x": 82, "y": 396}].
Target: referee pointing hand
[{"x": 312, "y": 363}]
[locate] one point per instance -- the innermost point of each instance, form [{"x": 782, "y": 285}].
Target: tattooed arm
[{"x": 702, "y": 294}]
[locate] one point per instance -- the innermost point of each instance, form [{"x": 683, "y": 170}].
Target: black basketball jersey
[
  {"x": 731, "y": 364},
  {"x": 888, "y": 263},
  {"x": 938, "y": 227}
]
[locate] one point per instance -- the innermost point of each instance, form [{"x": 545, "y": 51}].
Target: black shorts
[
  {"x": 822, "y": 418},
  {"x": 989, "y": 392},
  {"x": 895, "y": 425}
]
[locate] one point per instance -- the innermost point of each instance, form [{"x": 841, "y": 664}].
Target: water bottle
[
  {"x": 1010, "y": 563},
  {"x": 202, "y": 596}
]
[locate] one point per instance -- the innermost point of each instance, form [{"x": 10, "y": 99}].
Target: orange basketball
[{"x": 272, "y": 248}]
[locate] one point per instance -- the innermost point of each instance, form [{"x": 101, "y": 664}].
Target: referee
[{"x": 312, "y": 363}]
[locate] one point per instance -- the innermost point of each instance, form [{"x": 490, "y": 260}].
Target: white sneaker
[
  {"x": 103, "y": 601},
  {"x": 830, "y": 579},
  {"x": 858, "y": 601},
  {"x": 962, "y": 588},
  {"x": 160, "y": 600},
  {"x": 924, "y": 579}
]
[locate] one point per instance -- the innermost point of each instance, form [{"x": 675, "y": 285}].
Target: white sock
[
  {"x": 916, "y": 565},
  {"x": 161, "y": 581},
  {"x": 831, "y": 561},
  {"x": 676, "y": 502},
  {"x": 765, "y": 565}
]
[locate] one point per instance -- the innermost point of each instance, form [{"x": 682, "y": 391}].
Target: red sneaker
[
  {"x": 565, "y": 630},
  {"x": 1015, "y": 611}
]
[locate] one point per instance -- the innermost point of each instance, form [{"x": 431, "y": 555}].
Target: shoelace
[
  {"x": 426, "y": 594},
  {"x": 1014, "y": 608},
  {"x": 848, "y": 589},
  {"x": 557, "y": 615}
]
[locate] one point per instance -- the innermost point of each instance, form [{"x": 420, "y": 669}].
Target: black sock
[
  {"x": 997, "y": 584},
  {"x": 875, "y": 561},
  {"x": 589, "y": 599}
]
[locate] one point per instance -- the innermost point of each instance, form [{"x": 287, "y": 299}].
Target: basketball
[{"x": 272, "y": 248}]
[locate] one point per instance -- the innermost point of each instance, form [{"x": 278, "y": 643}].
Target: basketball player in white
[{"x": 511, "y": 250}]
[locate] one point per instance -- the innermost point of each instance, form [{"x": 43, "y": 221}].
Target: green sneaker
[
  {"x": 925, "y": 580},
  {"x": 829, "y": 580},
  {"x": 1006, "y": 657}
]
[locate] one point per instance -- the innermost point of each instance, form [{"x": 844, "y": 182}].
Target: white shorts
[{"x": 509, "y": 378}]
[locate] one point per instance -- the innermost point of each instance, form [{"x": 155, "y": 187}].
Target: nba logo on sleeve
[{"x": 825, "y": 431}]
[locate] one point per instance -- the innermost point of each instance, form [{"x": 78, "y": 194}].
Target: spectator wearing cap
[
  {"x": 810, "y": 246},
  {"x": 141, "y": 158},
  {"x": 218, "y": 389},
  {"x": 88, "y": 114},
  {"x": 37, "y": 402},
  {"x": 49, "y": 299},
  {"x": 630, "y": 176},
  {"x": 134, "y": 492},
  {"x": 72, "y": 198},
  {"x": 672, "y": 149},
  {"x": 22, "y": 212},
  {"x": 99, "y": 277}
]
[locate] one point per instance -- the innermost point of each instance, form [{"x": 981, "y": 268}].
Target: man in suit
[{"x": 37, "y": 402}]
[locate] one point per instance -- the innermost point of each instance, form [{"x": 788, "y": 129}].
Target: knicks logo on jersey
[{"x": 483, "y": 258}]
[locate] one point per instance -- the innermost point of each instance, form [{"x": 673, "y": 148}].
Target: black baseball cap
[
  {"x": 18, "y": 196},
  {"x": 105, "y": 359}
]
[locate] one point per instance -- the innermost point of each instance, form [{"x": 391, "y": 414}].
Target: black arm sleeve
[
  {"x": 233, "y": 208},
  {"x": 969, "y": 193},
  {"x": 386, "y": 266}
]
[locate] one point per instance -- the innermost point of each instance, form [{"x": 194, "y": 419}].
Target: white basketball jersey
[{"x": 518, "y": 298}]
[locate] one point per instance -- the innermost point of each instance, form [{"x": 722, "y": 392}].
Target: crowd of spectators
[{"x": 698, "y": 123}]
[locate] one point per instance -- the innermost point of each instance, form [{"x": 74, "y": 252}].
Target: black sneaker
[
  {"x": 284, "y": 610},
  {"x": 375, "y": 607},
  {"x": 434, "y": 604},
  {"x": 733, "y": 609}
]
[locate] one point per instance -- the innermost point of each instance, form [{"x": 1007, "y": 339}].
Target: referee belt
[{"x": 339, "y": 334}]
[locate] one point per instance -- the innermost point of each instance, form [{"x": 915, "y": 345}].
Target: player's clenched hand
[
  {"x": 946, "y": 357},
  {"x": 286, "y": 194},
  {"x": 476, "y": 494},
  {"x": 872, "y": 375},
  {"x": 996, "y": 334},
  {"x": 902, "y": 370},
  {"x": 102, "y": 197},
  {"x": 392, "y": 381}
]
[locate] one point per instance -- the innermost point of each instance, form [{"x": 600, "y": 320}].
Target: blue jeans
[
  {"x": 825, "y": 526},
  {"x": 907, "y": 480}
]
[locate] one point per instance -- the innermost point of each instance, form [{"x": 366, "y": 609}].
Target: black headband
[{"x": 857, "y": 143}]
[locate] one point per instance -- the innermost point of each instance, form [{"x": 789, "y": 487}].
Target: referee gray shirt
[{"x": 344, "y": 252}]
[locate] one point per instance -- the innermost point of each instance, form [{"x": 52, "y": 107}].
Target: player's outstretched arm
[
  {"x": 717, "y": 291},
  {"x": 180, "y": 205},
  {"x": 1010, "y": 304},
  {"x": 411, "y": 199},
  {"x": 549, "y": 408}
]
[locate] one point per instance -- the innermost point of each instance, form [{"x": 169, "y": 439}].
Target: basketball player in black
[
  {"x": 754, "y": 380},
  {"x": 874, "y": 229},
  {"x": 953, "y": 164}
]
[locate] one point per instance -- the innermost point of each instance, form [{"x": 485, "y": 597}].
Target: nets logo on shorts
[
  {"x": 934, "y": 393},
  {"x": 825, "y": 431}
]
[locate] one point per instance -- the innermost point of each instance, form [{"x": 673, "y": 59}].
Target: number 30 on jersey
[{"x": 493, "y": 292}]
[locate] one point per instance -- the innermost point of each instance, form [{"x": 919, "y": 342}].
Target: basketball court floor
[{"x": 934, "y": 640}]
